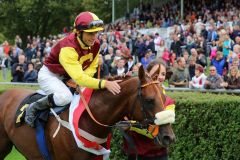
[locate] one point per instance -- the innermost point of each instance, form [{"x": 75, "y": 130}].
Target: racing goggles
[{"x": 92, "y": 25}]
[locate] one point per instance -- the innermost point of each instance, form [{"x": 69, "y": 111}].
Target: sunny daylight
[{"x": 119, "y": 80}]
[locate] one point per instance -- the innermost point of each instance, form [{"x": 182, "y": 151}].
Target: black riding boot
[{"x": 34, "y": 107}]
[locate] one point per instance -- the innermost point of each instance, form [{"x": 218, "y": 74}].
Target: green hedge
[{"x": 207, "y": 127}]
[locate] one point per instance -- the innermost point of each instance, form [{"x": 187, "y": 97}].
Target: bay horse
[{"x": 136, "y": 93}]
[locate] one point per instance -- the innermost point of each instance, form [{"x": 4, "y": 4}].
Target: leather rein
[{"x": 78, "y": 89}]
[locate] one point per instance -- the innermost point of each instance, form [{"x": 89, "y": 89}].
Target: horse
[{"x": 140, "y": 99}]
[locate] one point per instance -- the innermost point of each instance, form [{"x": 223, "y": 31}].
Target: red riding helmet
[{"x": 88, "y": 22}]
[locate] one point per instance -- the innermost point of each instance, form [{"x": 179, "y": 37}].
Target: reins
[{"x": 127, "y": 123}]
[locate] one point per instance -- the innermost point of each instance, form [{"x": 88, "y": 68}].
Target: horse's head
[{"x": 149, "y": 109}]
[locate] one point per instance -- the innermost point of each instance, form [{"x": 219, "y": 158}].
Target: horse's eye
[{"x": 149, "y": 102}]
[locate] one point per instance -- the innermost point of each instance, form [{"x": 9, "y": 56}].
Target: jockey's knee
[{"x": 61, "y": 99}]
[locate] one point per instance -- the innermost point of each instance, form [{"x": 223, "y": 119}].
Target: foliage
[
  {"x": 207, "y": 126},
  {"x": 36, "y": 17},
  {"x": 2, "y": 38}
]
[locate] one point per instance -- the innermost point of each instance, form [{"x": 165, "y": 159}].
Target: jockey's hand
[{"x": 113, "y": 86}]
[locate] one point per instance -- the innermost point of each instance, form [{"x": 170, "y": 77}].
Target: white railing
[{"x": 222, "y": 91}]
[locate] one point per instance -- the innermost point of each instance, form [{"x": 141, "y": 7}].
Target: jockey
[{"x": 76, "y": 57}]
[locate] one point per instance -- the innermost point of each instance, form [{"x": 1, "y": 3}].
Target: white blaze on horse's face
[{"x": 164, "y": 117}]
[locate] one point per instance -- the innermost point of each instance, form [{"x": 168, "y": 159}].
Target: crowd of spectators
[{"x": 202, "y": 51}]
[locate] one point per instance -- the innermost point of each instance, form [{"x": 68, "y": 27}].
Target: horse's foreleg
[{"x": 5, "y": 143}]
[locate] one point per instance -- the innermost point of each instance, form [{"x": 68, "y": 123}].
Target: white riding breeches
[{"x": 51, "y": 83}]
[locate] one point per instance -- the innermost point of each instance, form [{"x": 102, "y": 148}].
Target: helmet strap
[{"x": 81, "y": 38}]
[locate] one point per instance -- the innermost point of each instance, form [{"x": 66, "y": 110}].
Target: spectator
[
  {"x": 180, "y": 76},
  {"x": 18, "y": 69},
  {"x": 4, "y": 66},
  {"x": 147, "y": 58},
  {"x": 227, "y": 43},
  {"x": 186, "y": 57},
  {"x": 199, "y": 79},
  {"x": 156, "y": 41},
  {"x": 212, "y": 34},
  {"x": 214, "y": 80},
  {"x": 134, "y": 71},
  {"x": 6, "y": 47},
  {"x": 213, "y": 50},
  {"x": 104, "y": 49},
  {"x": 220, "y": 63},
  {"x": 201, "y": 58},
  {"x": 235, "y": 62},
  {"x": 176, "y": 45},
  {"x": 28, "y": 52},
  {"x": 119, "y": 70},
  {"x": 130, "y": 63},
  {"x": 202, "y": 45},
  {"x": 190, "y": 43},
  {"x": 150, "y": 44},
  {"x": 236, "y": 32},
  {"x": 13, "y": 57},
  {"x": 233, "y": 80},
  {"x": 18, "y": 41},
  {"x": 161, "y": 49},
  {"x": 172, "y": 60},
  {"x": 166, "y": 56},
  {"x": 30, "y": 76},
  {"x": 141, "y": 48},
  {"x": 47, "y": 48},
  {"x": 191, "y": 67},
  {"x": 108, "y": 59}
]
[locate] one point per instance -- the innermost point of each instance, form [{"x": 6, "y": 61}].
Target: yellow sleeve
[
  {"x": 68, "y": 58},
  {"x": 170, "y": 107},
  {"x": 92, "y": 69}
]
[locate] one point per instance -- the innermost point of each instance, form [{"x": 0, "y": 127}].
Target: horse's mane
[{"x": 113, "y": 78}]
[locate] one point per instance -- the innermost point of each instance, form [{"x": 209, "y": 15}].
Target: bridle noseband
[{"x": 144, "y": 104}]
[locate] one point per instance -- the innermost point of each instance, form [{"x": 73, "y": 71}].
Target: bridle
[{"x": 144, "y": 106}]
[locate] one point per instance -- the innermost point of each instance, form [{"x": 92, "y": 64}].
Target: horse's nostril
[{"x": 167, "y": 140}]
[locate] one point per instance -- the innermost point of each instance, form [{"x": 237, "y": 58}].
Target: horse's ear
[
  {"x": 141, "y": 73},
  {"x": 169, "y": 73}
]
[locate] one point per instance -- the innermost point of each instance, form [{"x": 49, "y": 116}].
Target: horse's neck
[
  {"x": 113, "y": 107},
  {"x": 108, "y": 108}
]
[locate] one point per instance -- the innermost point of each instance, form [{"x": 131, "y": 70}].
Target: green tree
[
  {"x": 36, "y": 17},
  {"x": 44, "y": 17}
]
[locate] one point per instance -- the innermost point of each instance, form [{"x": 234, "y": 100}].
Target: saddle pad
[{"x": 20, "y": 113}]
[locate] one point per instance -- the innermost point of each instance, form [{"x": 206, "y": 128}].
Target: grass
[
  {"x": 15, "y": 155},
  {"x": 9, "y": 77}
]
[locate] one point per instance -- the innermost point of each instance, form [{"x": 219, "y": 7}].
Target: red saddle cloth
[{"x": 87, "y": 93}]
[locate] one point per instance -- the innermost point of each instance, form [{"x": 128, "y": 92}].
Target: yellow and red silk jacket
[{"x": 70, "y": 57}]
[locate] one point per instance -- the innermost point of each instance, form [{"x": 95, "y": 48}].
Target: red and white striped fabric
[{"x": 75, "y": 112}]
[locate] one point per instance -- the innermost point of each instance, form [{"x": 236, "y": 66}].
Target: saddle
[{"x": 43, "y": 115}]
